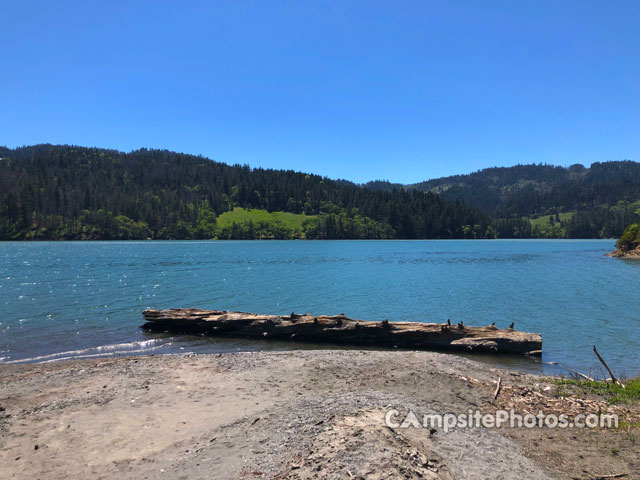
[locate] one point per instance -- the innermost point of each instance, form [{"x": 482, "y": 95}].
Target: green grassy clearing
[
  {"x": 543, "y": 221},
  {"x": 240, "y": 215}
]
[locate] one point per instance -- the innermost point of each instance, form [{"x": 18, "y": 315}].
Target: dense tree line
[
  {"x": 603, "y": 221},
  {"x": 324, "y": 226},
  {"x": 69, "y": 192}
]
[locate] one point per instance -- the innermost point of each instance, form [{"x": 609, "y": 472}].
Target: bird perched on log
[
  {"x": 493, "y": 324},
  {"x": 511, "y": 326},
  {"x": 449, "y": 321},
  {"x": 385, "y": 323},
  {"x": 460, "y": 325}
]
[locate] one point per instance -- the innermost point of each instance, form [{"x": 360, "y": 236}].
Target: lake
[{"x": 64, "y": 300}]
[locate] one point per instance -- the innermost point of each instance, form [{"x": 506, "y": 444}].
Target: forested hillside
[
  {"x": 69, "y": 192},
  {"x": 580, "y": 202}
]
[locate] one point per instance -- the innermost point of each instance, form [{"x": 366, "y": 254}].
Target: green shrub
[{"x": 630, "y": 238}]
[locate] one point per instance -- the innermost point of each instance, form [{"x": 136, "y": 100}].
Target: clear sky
[{"x": 362, "y": 90}]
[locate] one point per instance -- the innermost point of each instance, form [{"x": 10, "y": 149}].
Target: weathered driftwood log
[{"x": 338, "y": 329}]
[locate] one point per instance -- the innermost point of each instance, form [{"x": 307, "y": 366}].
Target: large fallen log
[{"x": 338, "y": 329}]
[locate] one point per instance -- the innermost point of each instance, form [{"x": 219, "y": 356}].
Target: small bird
[
  {"x": 449, "y": 321},
  {"x": 493, "y": 324},
  {"x": 385, "y": 323},
  {"x": 461, "y": 325},
  {"x": 511, "y": 326}
]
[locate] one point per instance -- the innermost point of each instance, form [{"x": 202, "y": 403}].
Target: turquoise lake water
[{"x": 65, "y": 300}]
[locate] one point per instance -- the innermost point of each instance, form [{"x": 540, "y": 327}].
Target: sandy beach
[{"x": 291, "y": 415}]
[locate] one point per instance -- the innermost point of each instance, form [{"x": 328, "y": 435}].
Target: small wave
[
  {"x": 107, "y": 354},
  {"x": 100, "y": 351}
]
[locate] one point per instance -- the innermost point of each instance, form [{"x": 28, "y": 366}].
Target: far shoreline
[{"x": 308, "y": 240}]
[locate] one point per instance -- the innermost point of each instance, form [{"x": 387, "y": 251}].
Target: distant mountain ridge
[
  {"x": 559, "y": 202},
  {"x": 541, "y": 189}
]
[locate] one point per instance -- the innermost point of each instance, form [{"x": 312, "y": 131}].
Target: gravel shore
[{"x": 293, "y": 415}]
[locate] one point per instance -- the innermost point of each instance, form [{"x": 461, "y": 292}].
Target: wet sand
[{"x": 293, "y": 415}]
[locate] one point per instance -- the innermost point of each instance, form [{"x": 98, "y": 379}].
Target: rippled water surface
[{"x": 82, "y": 299}]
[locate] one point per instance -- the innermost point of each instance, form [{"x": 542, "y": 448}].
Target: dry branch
[
  {"x": 495, "y": 395},
  {"x": 613, "y": 377},
  {"x": 575, "y": 372}
]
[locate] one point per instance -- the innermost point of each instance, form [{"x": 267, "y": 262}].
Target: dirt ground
[{"x": 291, "y": 415}]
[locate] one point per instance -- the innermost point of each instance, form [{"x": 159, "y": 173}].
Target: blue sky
[{"x": 395, "y": 90}]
